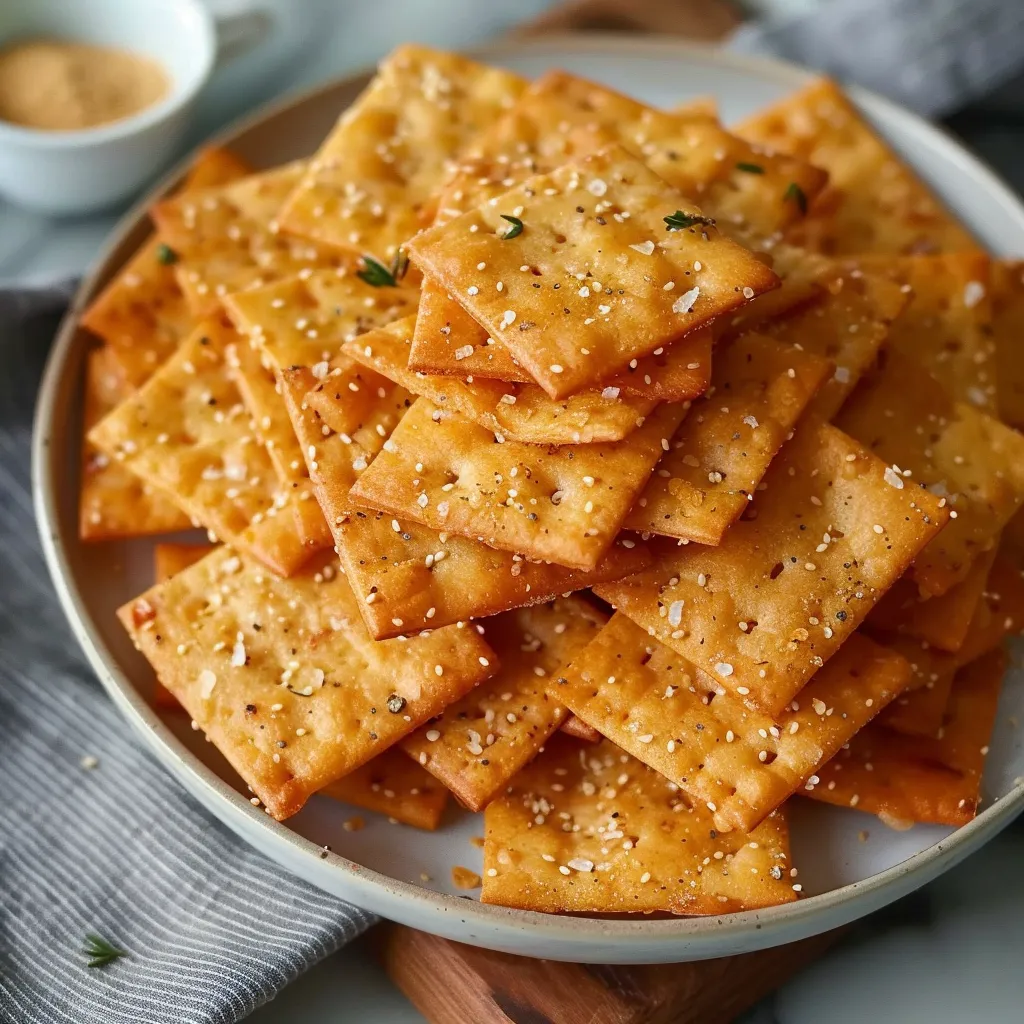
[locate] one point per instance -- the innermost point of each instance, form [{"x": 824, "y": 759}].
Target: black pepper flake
[
  {"x": 250, "y": 709},
  {"x": 841, "y": 616},
  {"x": 396, "y": 704}
]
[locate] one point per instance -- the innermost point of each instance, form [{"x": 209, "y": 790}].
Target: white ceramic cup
[{"x": 68, "y": 172}]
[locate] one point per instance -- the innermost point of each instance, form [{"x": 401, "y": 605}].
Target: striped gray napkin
[{"x": 95, "y": 838}]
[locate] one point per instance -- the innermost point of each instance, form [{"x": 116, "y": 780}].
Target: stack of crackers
[{"x": 624, "y": 476}]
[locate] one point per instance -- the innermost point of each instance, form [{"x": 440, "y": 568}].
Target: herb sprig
[
  {"x": 374, "y": 272},
  {"x": 750, "y": 168},
  {"x": 515, "y": 231},
  {"x": 166, "y": 255},
  {"x": 679, "y": 221},
  {"x": 100, "y": 952}
]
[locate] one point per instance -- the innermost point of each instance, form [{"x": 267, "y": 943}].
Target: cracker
[
  {"x": 847, "y": 324},
  {"x": 747, "y": 188},
  {"x": 282, "y": 676},
  {"x": 904, "y": 779},
  {"x": 999, "y": 614},
  {"x": 698, "y": 107},
  {"x": 141, "y": 313},
  {"x": 558, "y": 118},
  {"x": 480, "y": 742},
  {"x": 874, "y": 202},
  {"x": 974, "y": 462},
  {"x": 588, "y": 829},
  {"x": 341, "y": 422},
  {"x": 919, "y": 711},
  {"x": 723, "y": 447},
  {"x": 112, "y": 501},
  {"x": 393, "y": 785},
  {"x": 947, "y": 324},
  {"x": 623, "y": 303},
  {"x": 447, "y": 341},
  {"x": 370, "y": 184},
  {"x": 766, "y": 608},
  {"x": 562, "y": 504},
  {"x": 1007, "y": 285},
  {"x": 302, "y": 321},
  {"x": 226, "y": 238},
  {"x": 737, "y": 763},
  {"x": 579, "y": 730},
  {"x": 942, "y": 621},
  {"x": 168, "y": 560},
  {"x": 186, "y": 432},
  {"x": 519, "y": 412},
  {"x": 258, "y": 386},
  {"x": 171, "y": 558},
  {"x": 420, "y": 578}
]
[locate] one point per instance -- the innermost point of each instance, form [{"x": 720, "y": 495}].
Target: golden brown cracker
[
  {"x": 579, "y": 730},
  {"x": 369, "y": 186},
  {"x": 1000, "y": 612},
  {"x": 752, "y": 191},
  {"x": 738, "y": 763},
  {"x": 447, "y": 341},
  {"x": 562, "y": 504},
  {"x": 519, "y": 412},
  {"x": 947, "y": 323},
  {"x": 393, "y": 785},
  {"x": 420, "y": 579},
  {"x": 340, "y": 422},
  {"x": 476, "y": 745},
  {"x": 831, "y": 529},
  {"x": 114, "y": 502},
  {"x": 303, "y": 321},
  {"x": 142, "y": 314},
  {"x": 227, "y": 239},
  {"x": 588, "y": 829},
  {"x": 186, "y": 432},
  {"x": 943, "y": 622},
  {"x": 261, "y": 394},
  {"x": 874, "y": 202},
  {"x": 723, "y": 447},
  {"x": 846, "y": 323},
  {"x": 971, "y": 461},
  {"x": 628, "y": 279},
  {"x": 904, "y": 779},
  {"x": 1007, "y": 284},
  {"x": 168, "y": 560},
  {"x": 282, "y": 675},
  {"x": 919, "y": 710}
]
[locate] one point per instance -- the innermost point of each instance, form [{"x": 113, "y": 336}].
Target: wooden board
[{"x": 451, "y": 983}]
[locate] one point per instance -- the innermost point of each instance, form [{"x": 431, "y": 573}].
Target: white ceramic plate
[{"x": 404, "y": 874}]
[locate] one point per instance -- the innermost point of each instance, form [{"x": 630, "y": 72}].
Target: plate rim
[{"x": 583, "y": 939}]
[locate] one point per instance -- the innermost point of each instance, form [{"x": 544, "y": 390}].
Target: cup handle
[{"x": 238, "y": 32}]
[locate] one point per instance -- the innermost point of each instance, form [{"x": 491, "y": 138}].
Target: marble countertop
[{"x": 948, "y": 954}]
